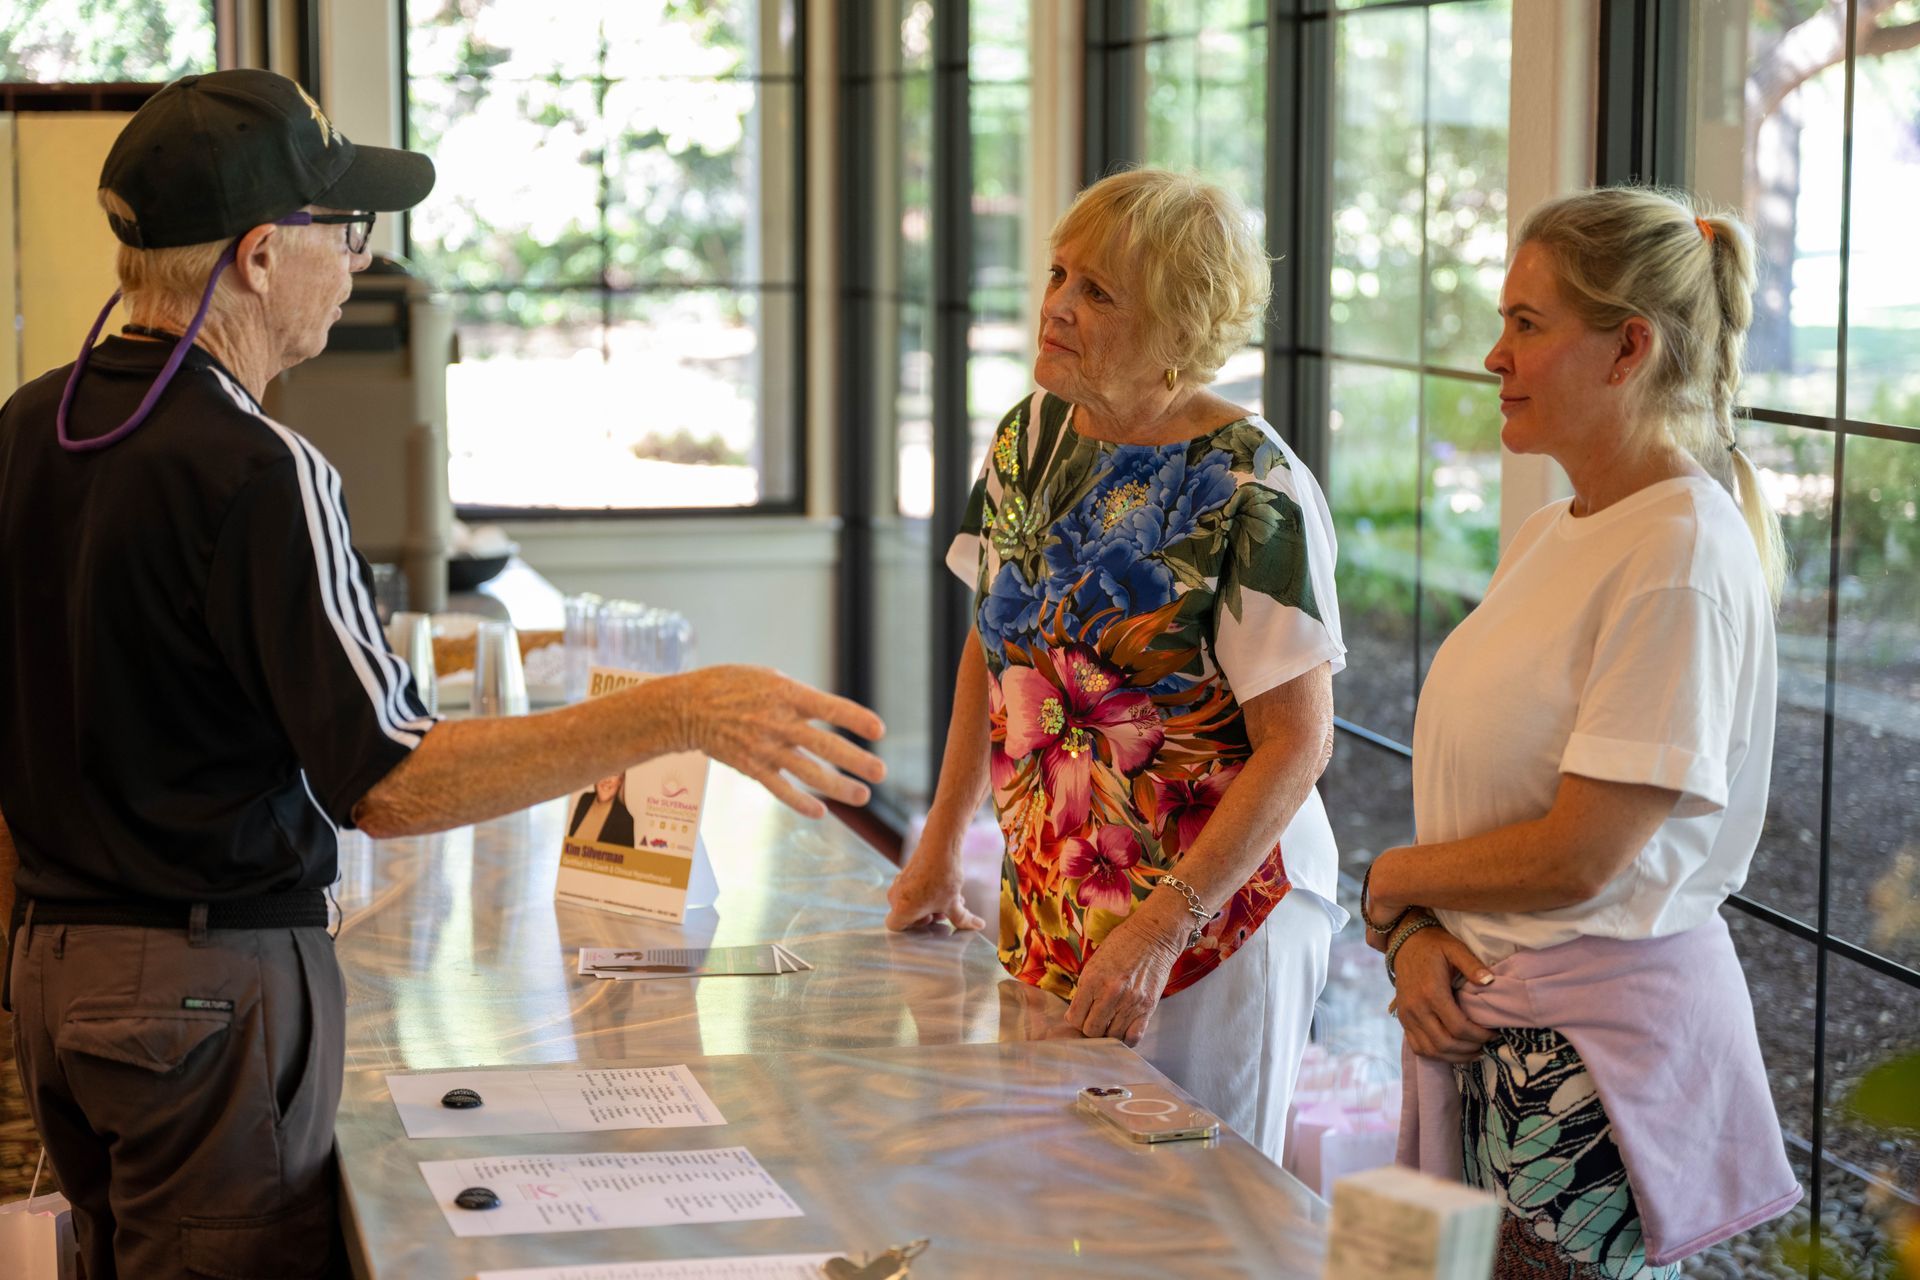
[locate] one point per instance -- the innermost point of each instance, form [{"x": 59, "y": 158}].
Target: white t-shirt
[{"x": 1633, "y": 645}]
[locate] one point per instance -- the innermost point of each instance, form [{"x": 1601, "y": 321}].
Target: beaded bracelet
[
  {"x": 1366, "y": 900},
  {"x": 1400, "y": 936},
  {"x": 1195, "y": 907}
]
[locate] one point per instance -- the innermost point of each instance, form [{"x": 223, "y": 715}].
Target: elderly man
[{"x": 194, "y": 695}]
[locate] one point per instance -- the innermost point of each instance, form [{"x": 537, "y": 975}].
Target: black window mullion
[
  {"x": 1298, "y": 212},
  {"x": 860, "y": 441},
  {"x": 1113, "y": 85},
  {"x": 952, "y": 234},
  {"x": 1625, "y": 91},
  {"x": 1821, "y": 1075}
]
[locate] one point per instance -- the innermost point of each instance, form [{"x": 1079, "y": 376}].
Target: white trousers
[{"x": 1234, "y": 1039}]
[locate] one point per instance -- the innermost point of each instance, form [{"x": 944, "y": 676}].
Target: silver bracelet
[
  {"x": 1195, "y": 907},
  {"x": 1424, "y": 920}
]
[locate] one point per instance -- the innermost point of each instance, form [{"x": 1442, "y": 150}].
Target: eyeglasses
[{"x": 359, "y": 225}]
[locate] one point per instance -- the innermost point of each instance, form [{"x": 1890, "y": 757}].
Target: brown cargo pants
[{"x": 186, "y": 1094}]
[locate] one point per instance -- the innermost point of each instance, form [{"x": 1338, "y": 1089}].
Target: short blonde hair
[
  {"x": 164, "y": 282},
  {"x": 1689, "y": 271},
  {"x": 1188, "y": 248}
]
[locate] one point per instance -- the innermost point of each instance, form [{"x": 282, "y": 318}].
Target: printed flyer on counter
[
  {"x": 566, "y": 1100},
  {"x": 632, "y": 839},
  {"x": 592, "y": 1192}
]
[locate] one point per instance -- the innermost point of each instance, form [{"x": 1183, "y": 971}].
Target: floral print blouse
[{"x": 1129, "y": 597}]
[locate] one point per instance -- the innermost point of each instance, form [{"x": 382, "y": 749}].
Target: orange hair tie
[{"x": 1705, "y": 229}]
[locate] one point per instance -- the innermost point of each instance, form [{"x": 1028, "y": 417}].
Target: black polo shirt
[{"x": 194, "y": 690}]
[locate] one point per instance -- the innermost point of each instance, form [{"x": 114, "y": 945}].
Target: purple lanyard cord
[{"x": 152, "y": 398}]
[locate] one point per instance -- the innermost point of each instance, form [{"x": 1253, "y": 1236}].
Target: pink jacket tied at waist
[{"x": 1665, "y": 1026}]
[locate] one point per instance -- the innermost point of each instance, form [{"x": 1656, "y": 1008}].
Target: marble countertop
[{"x": 902, "y": 1087}]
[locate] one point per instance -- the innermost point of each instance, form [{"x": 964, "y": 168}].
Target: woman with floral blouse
[{"x": 1147, "y": 688}]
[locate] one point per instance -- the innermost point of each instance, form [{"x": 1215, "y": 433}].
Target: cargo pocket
[
  {"x": 156, "y": 1039},
  {"x": 293, "y": 1244}
]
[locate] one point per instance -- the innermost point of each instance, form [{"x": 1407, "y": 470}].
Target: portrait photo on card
[{"x": 600, "y": 814}]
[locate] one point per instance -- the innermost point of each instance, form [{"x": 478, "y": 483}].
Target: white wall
[{"x": 757, "y": 590}]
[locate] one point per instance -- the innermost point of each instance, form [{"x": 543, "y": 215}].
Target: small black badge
[
  {"x": 477, "y": 1198},
  {"x": 201, "y": 1002},
  {"x": 460, "y": 1099}
]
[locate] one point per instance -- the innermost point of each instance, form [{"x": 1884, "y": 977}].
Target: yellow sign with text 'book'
[{"x": 633, "y": 839}]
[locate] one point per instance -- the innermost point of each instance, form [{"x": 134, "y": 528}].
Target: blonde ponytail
[
  {"x": 1735, "y": 277},
  {"x": 1621, "y": 252},
  {"x": 1763, "y": 523}
]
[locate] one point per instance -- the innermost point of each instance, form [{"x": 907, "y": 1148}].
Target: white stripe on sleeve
[{"x": 381, "y": 673}]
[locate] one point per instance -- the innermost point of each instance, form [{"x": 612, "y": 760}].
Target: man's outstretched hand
[{"x": 762, "y": 723}]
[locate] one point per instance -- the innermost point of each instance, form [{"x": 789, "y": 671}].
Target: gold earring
[{"x": 1172, "y": 376}]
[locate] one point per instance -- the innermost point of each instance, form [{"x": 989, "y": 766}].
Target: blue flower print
[
  {"x": 1104, "y": 515},
  {"x": 1148, "y": 501},
  {"x": 1133, "y": 582},
  {"x": 1203, "y": 490},
  {"x": 1011, "y": 608}
]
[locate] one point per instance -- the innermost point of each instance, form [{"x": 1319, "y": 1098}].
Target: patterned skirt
[{"x": 1537, "y": 1137}]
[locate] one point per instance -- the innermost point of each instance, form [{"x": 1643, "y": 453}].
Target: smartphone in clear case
[{"x": 1148, "y": 1112}]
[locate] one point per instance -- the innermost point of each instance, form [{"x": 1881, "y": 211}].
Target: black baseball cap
[{"x": 210, "y": 157}]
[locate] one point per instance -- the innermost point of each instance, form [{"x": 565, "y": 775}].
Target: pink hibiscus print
[
  {"x": 1000, "y": 763},
  {"x": 1100, "y": 864},
  {"x": 1183, "y": 804},
  {"x": 1090, "y": 707}
]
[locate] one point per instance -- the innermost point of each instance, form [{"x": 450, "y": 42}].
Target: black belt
[{"x": 302, "y": 908}]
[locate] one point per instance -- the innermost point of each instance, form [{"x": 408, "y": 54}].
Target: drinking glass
[
  {"x": 411, "y": 635},
  {"x": 581, "y": 640},
  {"x": 499, "y": 681}
]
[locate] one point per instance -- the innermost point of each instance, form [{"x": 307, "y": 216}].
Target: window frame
[
  {"x": 795, "y": 292},
  {"x": 1641, "y": 138},
  {"x": 19, "y": 96}
]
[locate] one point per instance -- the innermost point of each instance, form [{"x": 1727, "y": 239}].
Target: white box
[{"x": 1396, "y": 1224}]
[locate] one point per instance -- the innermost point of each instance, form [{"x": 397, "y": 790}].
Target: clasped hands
[{"x": 1428, "y": 969}]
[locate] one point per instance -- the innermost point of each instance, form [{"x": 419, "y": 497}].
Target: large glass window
[
  {"x": 1000, "y": 339},
  {"x": 1205, "y": 105},
  {"x": 1388, "y": 222},
  {"x": 88, "y": 42},
  {"x": 617, "y": 218},
  {"x": 892, "y": 303},
  {"x": 919, "y": 445},
  {"x": 1801, "y": 115},
  {"x": 1418, "y": 233}
]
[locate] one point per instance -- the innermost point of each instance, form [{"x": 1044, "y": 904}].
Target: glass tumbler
[
  {"x": 499, "y": 681},
  {"x": 411, "y": 635},
  {"x": 580, "y": 640}
]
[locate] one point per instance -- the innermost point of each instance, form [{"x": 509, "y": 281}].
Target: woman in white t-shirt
[{"x": 1591, "y": 755}]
